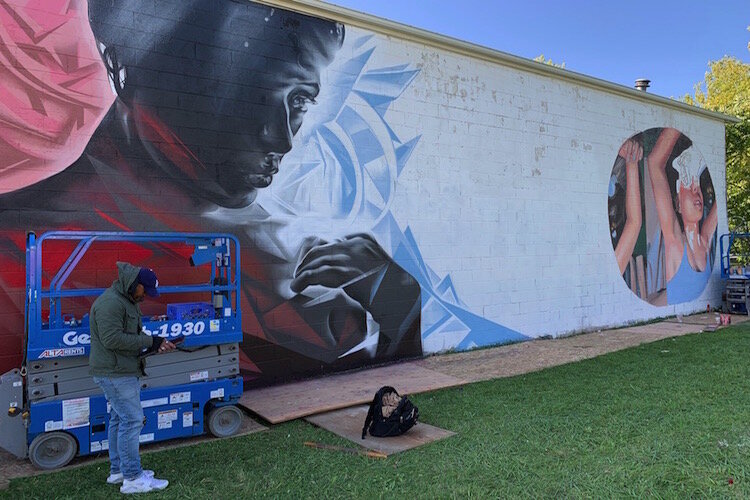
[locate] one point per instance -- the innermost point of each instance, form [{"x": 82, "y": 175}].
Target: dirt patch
[{"x": 525, "y": 357}]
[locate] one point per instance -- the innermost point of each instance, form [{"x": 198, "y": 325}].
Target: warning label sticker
[
  {"x": 179, "y": 397},
  {"x": 52, "y": 425},
  {"x": 217, "y": 393},
  {"x": 165, "y": 419},
  {"x": 201, "y": 375},
  {"x": 187, "y": 419},
  {"x": 75, "y": 413},
  {"x": 154, "y": 402}
]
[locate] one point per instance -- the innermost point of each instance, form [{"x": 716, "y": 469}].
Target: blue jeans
[{"x": 125, "y": 423}]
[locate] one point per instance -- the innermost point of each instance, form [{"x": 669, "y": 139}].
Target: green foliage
[
  {"x": 541, "y": 59},
  {"x": 667, "y": 419},
  {"x": 726, "y": 89}
]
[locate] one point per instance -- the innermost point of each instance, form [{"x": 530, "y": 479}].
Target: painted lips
[{"x": 263, "y": 175}]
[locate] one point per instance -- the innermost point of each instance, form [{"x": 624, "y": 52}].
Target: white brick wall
[{"x": 507, "y": 189}]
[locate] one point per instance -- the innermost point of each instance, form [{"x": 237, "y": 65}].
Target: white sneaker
[
  {"x": 118, "y": 478},
  {"x": 143, "y": 484}
]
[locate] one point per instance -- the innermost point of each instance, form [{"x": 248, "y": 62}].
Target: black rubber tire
[
  {"x": 52, "y": 450},
  {"x": 224, "y": 421}
]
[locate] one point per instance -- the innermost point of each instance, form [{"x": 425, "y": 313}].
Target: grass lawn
[{"x": 667, "y": 419}]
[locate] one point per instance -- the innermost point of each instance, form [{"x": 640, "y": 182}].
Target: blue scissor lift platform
[
  {"x": 56, "y": 411},
  {"x": 736, "y": 295}
]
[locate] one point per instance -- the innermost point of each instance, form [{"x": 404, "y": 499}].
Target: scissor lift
[
  {"x": 56, "y": 411},
  {"x": 736, "y": 296}
]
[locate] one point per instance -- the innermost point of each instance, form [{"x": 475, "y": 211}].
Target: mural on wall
[
  {"x": 662, "y": 216},
  {"x": 343, "y": 173},
  {"x": 146, "y": 123}
]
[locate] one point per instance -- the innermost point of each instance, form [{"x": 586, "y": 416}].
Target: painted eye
[{"x": 299, "y": 101}]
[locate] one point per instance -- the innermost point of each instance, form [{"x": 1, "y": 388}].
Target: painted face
[
  {"x": 250, "y": 149},
  {"x": 237, "y": 109},
  {"x": 689, "y": 165},
  {"x": 691, "y": 202}
]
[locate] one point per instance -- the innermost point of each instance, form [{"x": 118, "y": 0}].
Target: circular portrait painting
[{"x": 662, "y": 216}]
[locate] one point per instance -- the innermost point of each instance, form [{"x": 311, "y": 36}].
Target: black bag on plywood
[{"x": 389, "y": 414}]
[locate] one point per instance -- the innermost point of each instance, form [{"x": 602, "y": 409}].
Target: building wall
[
  {"x": 421, "y": 201},
  {"x": 508, "y": 190}
]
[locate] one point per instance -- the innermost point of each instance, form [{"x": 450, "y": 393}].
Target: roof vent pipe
[{"x": 642, "y": 84}]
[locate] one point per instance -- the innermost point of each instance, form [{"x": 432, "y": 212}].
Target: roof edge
[{"x": 383, "y": 26}]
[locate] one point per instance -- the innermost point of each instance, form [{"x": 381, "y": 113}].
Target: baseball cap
[{"x": 147, "y": 278}]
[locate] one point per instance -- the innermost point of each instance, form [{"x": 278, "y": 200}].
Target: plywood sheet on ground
[
  {"x": 348, "y": 422},
  {"x": 299, "y": 399}
]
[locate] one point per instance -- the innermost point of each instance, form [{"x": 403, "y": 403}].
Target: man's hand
[
  {"x": 167, "y": 346},
  {"x": 161, "y": 345}
]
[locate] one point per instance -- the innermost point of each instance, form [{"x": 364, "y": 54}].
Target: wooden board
[
  {"x": 348, "y": 422},
  {"x": 299, "y": 399}
]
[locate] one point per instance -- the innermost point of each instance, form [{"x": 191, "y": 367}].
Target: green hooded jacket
[{"x": 116, "y": 329}]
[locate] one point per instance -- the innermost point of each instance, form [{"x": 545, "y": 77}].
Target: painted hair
[{"x": 153, "y": 36}]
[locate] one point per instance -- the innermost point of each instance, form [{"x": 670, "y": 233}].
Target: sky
[{"x": 669, "y": 42}]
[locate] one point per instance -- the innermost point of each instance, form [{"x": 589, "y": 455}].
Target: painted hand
[
  {"x": 632, "y": 152},
  {"x": 353, "y": 263}
]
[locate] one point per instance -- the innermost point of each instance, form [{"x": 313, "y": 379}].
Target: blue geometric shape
[
  {"x": 381, "y": 87},
  {"x": 446, "y": 335},
  {"x": 289, "y": 191},
  {"x": 371, "y": 211},
  {"x": 347, "y": 167},
  {"x": 403, "y": 153},
  {"x": 391, "y": 133},
  {"x": 366, "y": 146},
  {"x": 412, "y": 242},
  {"x": 434, "y": 314},
  {"x": 350, "y": 121},
  {"x": 306, "y": 168},
  {"x": 359, "y": 42},
  {"x": 389, "y": 69},
  {"x": 378, "y": 102},
  {"x": 483, "y": 332},
  {"x": 377, "y": 172},
  {"x": 390, "y": 83},
  {"x": 407, "y": 255},
  {"x": 446, "y": 290},
  {"x": 340, "y": 88}
]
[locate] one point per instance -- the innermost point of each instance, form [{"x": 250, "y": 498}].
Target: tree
[
  {"x": 541, "y": 59},
  {"x": 726, "y": 89}
]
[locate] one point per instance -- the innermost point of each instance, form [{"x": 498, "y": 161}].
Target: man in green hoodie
[{"x": 117, "y": 340}]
